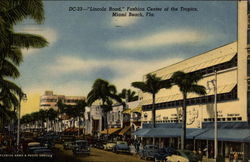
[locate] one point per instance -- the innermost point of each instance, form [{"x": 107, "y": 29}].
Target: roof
[{"x": 212, "y": 57}]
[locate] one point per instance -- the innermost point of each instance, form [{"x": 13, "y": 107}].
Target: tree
[
  {"x": 104, "y": 92},
  {"x": 187, "y": 83},
  {"x": 152, "y": 85},
  {"x": 81, "y": 105},
  {"x": 128, "y": 95},
  {"x": 13, "y": 12},
  {"x": 51, "y": 116}
]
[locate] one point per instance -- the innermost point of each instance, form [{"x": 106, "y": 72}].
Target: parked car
[
  {"x": 100, "y": 144},
  {"x": 34, "y": 144},
  {"x": 68, "y": 145},
  {"x": 81, "y": 147},
  {"x": 64, "y": 138},
  {"x": 163, "y": 153},
  {"x": 148, "y": 151},
  {"x": 32, "y": 149},
  {"x": 121, "y": 146},
  {"x": 183, "y": 156},
  {"x": 109, "y": 146}
]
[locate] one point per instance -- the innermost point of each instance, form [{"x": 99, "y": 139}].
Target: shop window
[
  {"x": 223, "y": 119},
  {"x": 229, "y": 119},
  {"x": 234, "y": 119},
  {"x": 239, "y": 118}
]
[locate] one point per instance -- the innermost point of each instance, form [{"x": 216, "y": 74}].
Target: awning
[
  {"x": 196, "y": 132},
  {"x": 200, "y": 65},
  {"x": 141, "y": 132},
  {"x": 110, "y": 130},
  {"x": 137, "y": 109},
  {"x": 221, "y": 89},
  {"x": 127, "y": 111},
  {"x": 124, "y": 130},
  {"x": 161, "y": 132},
  {"x": 239, "y": 135}
]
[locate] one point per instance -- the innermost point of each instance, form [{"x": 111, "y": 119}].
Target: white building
[
  {"x": 49, "y": 100},
  {"x": 232, "y": 66}
]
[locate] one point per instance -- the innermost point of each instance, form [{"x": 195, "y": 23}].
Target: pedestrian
[
  {"x": 200, "y": 154},
  {"x": 236, "y": 156}
]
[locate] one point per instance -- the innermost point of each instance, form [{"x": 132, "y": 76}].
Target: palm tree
[
  {"x": 152, "y": 85},
  {"x": 105, "y": 92},
  {"x": 81, "y": 105},
  {"x": 187, "y": 83},
  {"x": 51, "y": 116},
  {"x": 128, "y": 95},
  {"x": 12, "y": 12}
]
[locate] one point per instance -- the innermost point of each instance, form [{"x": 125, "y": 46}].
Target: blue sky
[{"x": 88, "y": 45}]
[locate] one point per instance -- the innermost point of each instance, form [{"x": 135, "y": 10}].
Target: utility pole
[
  {"x": 21, "y": 97},
  {"x": 215, "y": 118}
]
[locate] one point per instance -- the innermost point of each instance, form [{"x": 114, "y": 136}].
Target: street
[{"x": 95, "y": 155}]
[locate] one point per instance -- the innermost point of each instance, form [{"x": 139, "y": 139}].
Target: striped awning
[
  {"x": 110, "y": 131},
  {"x": 125, "y": 130}
]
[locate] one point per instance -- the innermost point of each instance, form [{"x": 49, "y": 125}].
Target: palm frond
[{"x": 24, "y": 40}]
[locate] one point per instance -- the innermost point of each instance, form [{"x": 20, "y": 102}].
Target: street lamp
[
  {"x": 214, "y": 83},
  {"x": 24, "y": 98}
]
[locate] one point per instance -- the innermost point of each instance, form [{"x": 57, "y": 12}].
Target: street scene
[{"x": 127, "y": 81}]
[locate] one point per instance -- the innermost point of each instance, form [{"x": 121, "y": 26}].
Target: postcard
[{"x": 124, "y": 80}]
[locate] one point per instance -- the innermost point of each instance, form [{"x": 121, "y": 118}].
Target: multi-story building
[
  {"x": 230, "y": 66},
  {"x": 49, "y": 100}
]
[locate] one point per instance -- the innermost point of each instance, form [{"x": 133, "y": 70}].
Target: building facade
[
  {"x": 49, "y": 100},
  {"x": 229, "y": 66}
]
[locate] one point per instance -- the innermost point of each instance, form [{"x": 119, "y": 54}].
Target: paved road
[{"x": 95, "y": 156}]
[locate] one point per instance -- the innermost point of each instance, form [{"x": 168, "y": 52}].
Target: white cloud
[
  {"x": 71, "y": 88},
  {"x": 162, "y": 38},
  {"x": 124, "y": 21},
  {"x": 129, "y": 70},
  {"x": 48, "y": 33}
]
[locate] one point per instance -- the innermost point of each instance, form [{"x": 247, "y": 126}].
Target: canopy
[
  {"x": 137, "y": 109},
  {"x": 110, "y": 130},
  {"x": 127, "y": 111},
  {"x": 239, "y": 135},
  {"x": 124, "y": 130}
]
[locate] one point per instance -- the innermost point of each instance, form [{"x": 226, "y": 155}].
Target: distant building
[{"x": 49, "y": 100}]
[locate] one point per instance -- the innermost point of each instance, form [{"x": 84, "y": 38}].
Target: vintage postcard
[{"x": 124, "y": 80}]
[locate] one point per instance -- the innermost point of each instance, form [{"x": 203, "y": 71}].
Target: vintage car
[
  {"x": 183, "y": 156},
  {"x": 109, "y": 146},
  {"x": 121, "y": 146},
  {"x": 163, "y": 153},
  {"x": 81, "y": 147},
  {"x": 68, "y": 145},
  {"x": 148, "y": 151}
]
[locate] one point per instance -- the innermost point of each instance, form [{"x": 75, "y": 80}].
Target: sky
[{"x": 86, "y": 45}]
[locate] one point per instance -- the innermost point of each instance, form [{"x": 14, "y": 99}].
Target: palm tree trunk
[
  {"x": 184, "y": 120},
  {"x": 153, "y": 111},
  {"x": 78, "y": 126}
]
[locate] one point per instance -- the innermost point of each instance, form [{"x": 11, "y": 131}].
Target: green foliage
[
  {"x": 13, "y": 12},
  {"x": 129, "y": 95}
]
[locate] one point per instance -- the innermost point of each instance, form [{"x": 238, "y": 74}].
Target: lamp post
[
  {"x": 24, "y": 98},
  {"x": 214, "y": 83}
]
